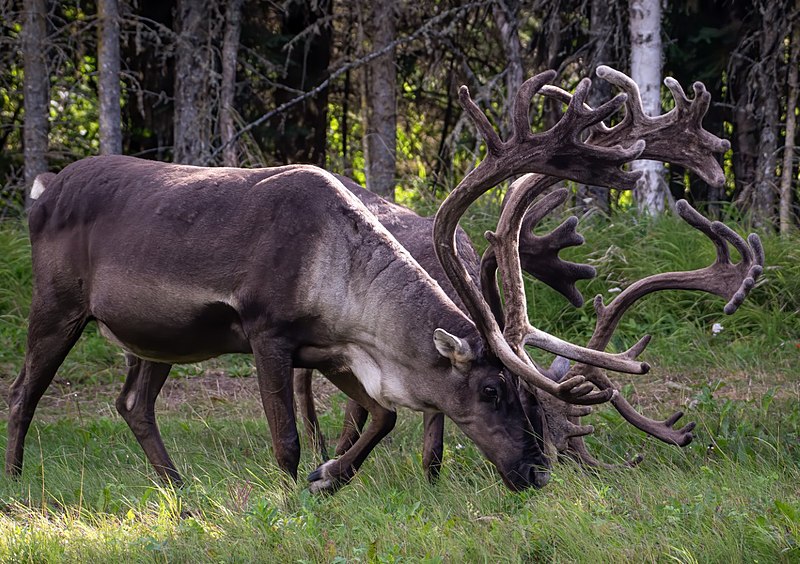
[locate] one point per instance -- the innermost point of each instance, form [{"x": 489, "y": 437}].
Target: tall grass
[
  {"x": 630, "y": 247},
  {"x": 87, "y": 492}
]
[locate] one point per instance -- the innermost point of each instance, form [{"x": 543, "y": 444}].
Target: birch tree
[
  {"x": 645, "y": 22},
  {"x": 787, "y": 173}
]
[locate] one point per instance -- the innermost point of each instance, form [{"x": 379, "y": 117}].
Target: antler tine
[
  {"x": 634, "y": 111},
  {"x": 522, "y": 104},
  {"x": 489, "y": 135},
  {"x": 702, "y": 224},
  {"x": 662, "y": 430},
  {"x": 752, "y": 252},
  {"x": 676, "y": 136},
  {"x": 682, "y": 101}
]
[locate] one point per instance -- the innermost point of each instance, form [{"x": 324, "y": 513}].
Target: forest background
[{"x": 369, "y": 89}]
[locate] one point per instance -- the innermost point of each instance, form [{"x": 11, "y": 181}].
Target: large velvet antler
[
  {"x": 732, "y": 281},
  {"x": 676, "y": 136},
  {"x": 558, "y": 152}
]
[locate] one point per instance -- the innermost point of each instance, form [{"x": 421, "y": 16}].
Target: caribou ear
[{"x": 450, "y": 346}]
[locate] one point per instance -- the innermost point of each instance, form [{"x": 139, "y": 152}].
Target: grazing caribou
[
  {"x": 180, "y": 264},
  {"x": 538, "y": 255}
]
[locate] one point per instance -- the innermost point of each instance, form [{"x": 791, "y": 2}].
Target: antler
[
  {"x": 539, "y": 254},
  {"x": 558, "y": 152},
  {"x": 518, "y": 331},
  {"x": 676, "y": 136},
  {"x": 732, "y": 281}
]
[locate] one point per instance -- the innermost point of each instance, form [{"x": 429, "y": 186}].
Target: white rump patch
[{"x": 37, "y": 189}]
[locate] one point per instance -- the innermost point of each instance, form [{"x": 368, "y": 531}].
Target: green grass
[{"x": 87, "y": 492}]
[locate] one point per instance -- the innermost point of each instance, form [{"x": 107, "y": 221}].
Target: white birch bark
[
  {"x": 791, "y": 124},
  {"x": 645, "y": 18}
]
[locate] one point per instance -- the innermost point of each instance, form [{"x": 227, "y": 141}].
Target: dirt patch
[
  {"x": 217, "y": 392},
  {"x": 204, "y": 394},
  {"x": 676, "y": 389}
]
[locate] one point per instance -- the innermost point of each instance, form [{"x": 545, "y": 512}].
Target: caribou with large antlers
[
  {"x": 677, "y": 137},
  {"x": 179, "y": 264}
]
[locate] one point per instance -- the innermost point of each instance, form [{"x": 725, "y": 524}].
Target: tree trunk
[
  {"x": 505, "y": 17},
  {"x": 601, "y": 29},
  {"x": 381, "y": 96},
  {"x": 149, "y": 119},
  {"x": 791, "y": 123},
  {"x": 230, "y": 49},
  {"x": 193, "y": 65},
  {"x": 645, "y": 18},
  {"x": 108, "y": 62},
  {"x": 768, "y": 115},
  {"x": 745, "y": 130},
  {"x": 36, "y": 89}
]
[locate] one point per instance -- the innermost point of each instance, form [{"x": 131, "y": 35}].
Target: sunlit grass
[
  {"x": 86, "y": 490},
  {"x": 88, "y": 494}
]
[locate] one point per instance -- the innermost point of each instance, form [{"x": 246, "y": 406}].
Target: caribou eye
[{"x": 489, "y": 393}]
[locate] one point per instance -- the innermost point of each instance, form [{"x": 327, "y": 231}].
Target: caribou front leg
[
  {"x": 333, "y": 474},
  {"x": 433, "y": 447},
  {"x": 274, "y": 369}
]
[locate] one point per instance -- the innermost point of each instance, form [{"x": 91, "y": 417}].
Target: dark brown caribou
[
  {"x": 677, "y": 137},
  {"x": 179, "y": 264}
]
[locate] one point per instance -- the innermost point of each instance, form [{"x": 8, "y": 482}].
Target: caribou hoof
[{"x": 324, "y": 480}]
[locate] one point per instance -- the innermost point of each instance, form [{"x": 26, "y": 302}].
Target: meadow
[{"x": 88, "y": 494}]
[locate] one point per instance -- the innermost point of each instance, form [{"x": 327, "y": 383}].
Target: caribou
[
  {"x": 179, "y": 264},
  {"x": 539, "y": 256}
]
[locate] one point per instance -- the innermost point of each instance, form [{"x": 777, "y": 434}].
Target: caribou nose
[
  {"x": 529, "y": 475},
  {"x": 540, "y": 477}
]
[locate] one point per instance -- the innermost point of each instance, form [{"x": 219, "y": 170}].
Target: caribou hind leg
[
  {"x": 52, "y": 332},
  {"x": 355, "y": 416},
  {"x": 308, "y": 412},
  {"x": 136, "y": 405},
  {"x": 433, "y": 446}
]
